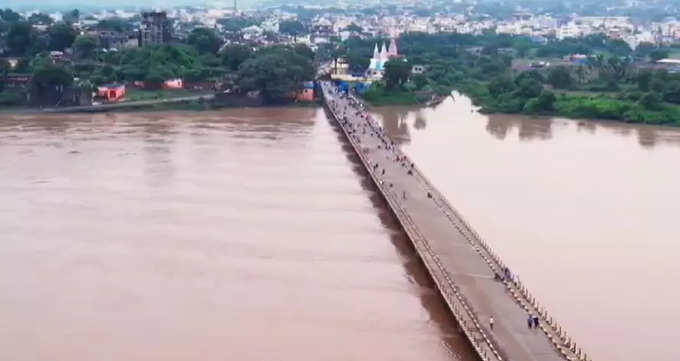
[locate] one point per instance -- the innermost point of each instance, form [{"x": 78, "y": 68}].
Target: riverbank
[
  {"x": 627, "y": 107},
  {"x": 379, "y": 96},
  {"x": 203, "y": 102}
]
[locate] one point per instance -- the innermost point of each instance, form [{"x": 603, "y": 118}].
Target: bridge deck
[{"x": 460, "y": 263}]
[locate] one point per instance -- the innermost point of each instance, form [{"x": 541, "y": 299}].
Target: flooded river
[
  {"x": 236, "y": 235},
  {"x": 253, "y": 234},
  {"x": 585, "y": 212}
]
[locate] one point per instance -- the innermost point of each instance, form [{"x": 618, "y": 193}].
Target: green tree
[
  {"x": 358, "y": 61},
  {"x": 47, "y": 75},
  {"x": 304, "y": 50},
  {"x": 131, "y": 72},
  {"x": 115, "y": 24},
  {"x": 560, "y": 77},
  {"x": 235, "y": 24},
  {"x": 4, "y": 71},
  {"x": 72, "y": 16},
  {"x": 420, "y": 80},
  {"x": 61, "y": 36},
  {"x": 276, "y": 71},
  {"x": 596, "y": 62},
  {"x": 204, "y": 40},
  {"x": 324, "y": 52},
  {"x": 529, "y": 88},
  {"x": 532, "y": 75},
  {"x": 500, "y": 85},
  {"x": 396, "y": 73},
  {"x": 546, "y": 101},
  {"x": 657, "y": 85},
  {"x": 671, "y": 92},
  {"x": 234, "y": 55},
  {"x": 292, "y": 27},
  {"x": 40, "y": 18},
  {"x": 10, "y": 16},
  {"x": 174, "y": 60},
  {"x": 615, "y": 69},
  {"x": 84, "y": 46},
  {"x": 644, "y": 49},
  {"x": 581, "y": 74},
  {"x": 643, "y": 80},
  {"x": 618, "y": 47},
  {"x": 522, "y": 49},
  {"x": 156, "y": 75},
  {"x": 107, "y": 72},
  {"x": 658, "y": 54},
  {"x": 651, "y": 100},
  {"x": 19, "y": 38},
  {"x": 210, "y": 60}
]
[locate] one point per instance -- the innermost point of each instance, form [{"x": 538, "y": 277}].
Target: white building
[{"x": 377, "y": 65}]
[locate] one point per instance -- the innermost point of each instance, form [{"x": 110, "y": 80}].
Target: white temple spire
[
  {"x": 383, "y": 53},
  {"x": 393, "y": 48}
]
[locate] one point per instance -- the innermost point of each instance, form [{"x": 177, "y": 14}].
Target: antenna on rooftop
[{"x": 235, "y": 6}]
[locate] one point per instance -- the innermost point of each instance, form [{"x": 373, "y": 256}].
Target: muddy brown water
[
  {"x": 247, "y": 234},
  {"x": 585, "y": 212}
]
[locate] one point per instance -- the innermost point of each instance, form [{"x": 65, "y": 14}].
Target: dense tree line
[
  {"x": 276, "y": 71},
  {"x": 606, "y": 84}
]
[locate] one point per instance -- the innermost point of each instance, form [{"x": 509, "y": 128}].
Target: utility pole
[{"x": 235, "y": 6}]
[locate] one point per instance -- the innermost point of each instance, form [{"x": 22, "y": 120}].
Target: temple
[{"x": 381, "y": 57}]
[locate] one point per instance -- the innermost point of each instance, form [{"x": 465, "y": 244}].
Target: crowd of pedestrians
[{"x": 358, "y": 124}]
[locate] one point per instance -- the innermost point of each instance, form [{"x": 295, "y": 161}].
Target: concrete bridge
[{"x": 459, "y": 261}]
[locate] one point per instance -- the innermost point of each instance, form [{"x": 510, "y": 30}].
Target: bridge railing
[
  {"x": 459, "y": 305},
  {"x": 555, "y": 332},
  {"x": 562, "y": 341}
]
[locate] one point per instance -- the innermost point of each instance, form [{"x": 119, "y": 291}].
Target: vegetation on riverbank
[
  {"x": 610, "y": 82},
  {"x": 61, "y": 58},
  {"x": 380, "y": 96},
  {"x": 133, "y": 94}
]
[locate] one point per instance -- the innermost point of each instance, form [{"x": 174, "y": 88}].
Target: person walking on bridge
[{"x": 491, "y": 322}]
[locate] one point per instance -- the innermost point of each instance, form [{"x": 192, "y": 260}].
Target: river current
[
  {"x": 246, "y": 234},
  {"x": 253, "y": 234},
  {"x": 585, "y": 212}
]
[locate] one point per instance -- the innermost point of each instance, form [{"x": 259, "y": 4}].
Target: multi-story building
[
  {"x": 155, "y": 28},
  {"x": 108, "y": 39}
]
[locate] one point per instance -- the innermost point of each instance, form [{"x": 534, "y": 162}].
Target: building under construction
[{"x": 155, "y": 29}]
